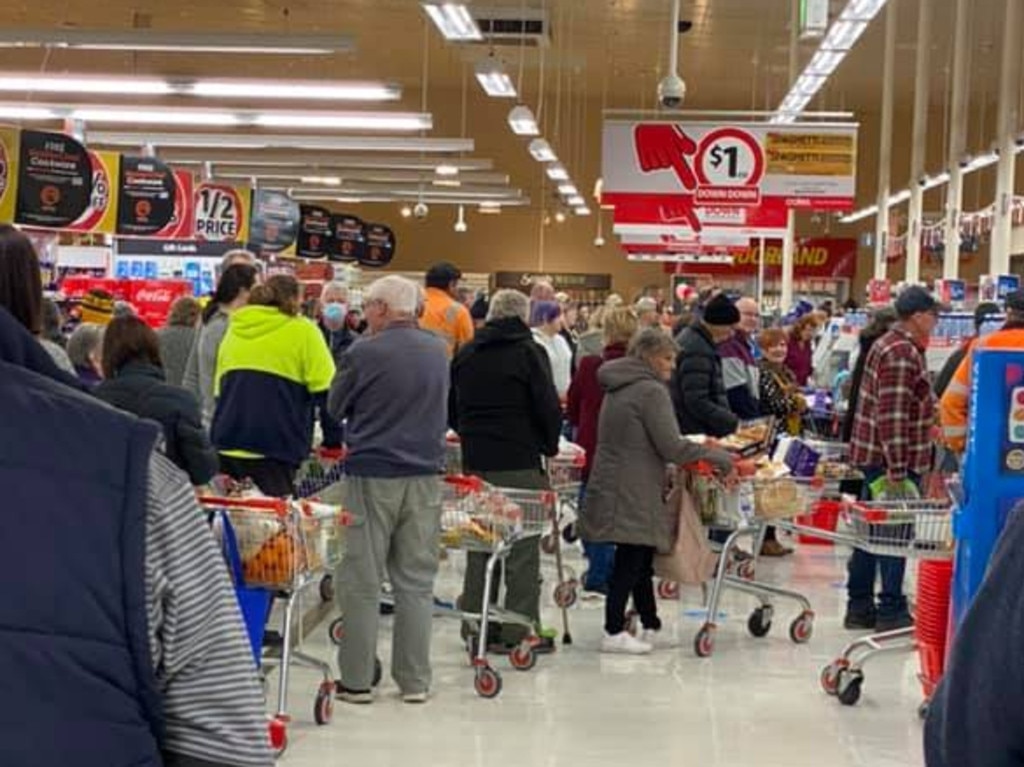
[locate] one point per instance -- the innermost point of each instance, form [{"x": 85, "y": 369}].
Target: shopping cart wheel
[
  {"x": 848, "y": 689},
  {"x": 323, "y": 708},
  {"x": 668, "y": 589},
  {"x": 830, "y": 676},
  {"x": 802, "y": 627},
  {"x": 522, "y": 657},
  {"x": 569, "y": 533},
  {"x": 549, "y": 544},
  {"x": 278, "y": 732},
  {"x": 565, "y": 595},
  {"x": 704, "y": 642},
  {"x": 760, "y": 622},
  {"x": 327, "y": 588},
  {"x": 487, "y": 682},
  {"x": 336, "y": 631}
]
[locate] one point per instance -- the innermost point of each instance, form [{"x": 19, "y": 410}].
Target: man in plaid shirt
[{"x": 892, "y": 438}]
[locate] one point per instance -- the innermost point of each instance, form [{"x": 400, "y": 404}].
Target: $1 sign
[{"x": 730, "y": 157}]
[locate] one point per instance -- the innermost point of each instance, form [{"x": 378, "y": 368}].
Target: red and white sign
[
  {"x": 221, "y": 213},
  {"x": 182, "y": 223},
  {"x": 151, "y": 299},
  {"x": 815, "y": 258},
  {"x": 666, "y": 177}
]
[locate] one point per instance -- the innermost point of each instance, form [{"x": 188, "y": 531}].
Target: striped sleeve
[{"x": 213, "y": 701}]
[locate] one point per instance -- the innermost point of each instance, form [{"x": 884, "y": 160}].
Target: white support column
[
  {"x": 957, "y": 141},
  {"x": 789, "y": 241},
  {"x": 760, "y": 271},
  {"x": 885, "y": 149},
  {"x": 919, "y": 149},
  {"x": 1009, "y": 111}
]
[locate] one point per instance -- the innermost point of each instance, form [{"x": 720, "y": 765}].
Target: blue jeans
[
  {"x": 600, "y": 557},
  {"x": 864, "y": 568}
]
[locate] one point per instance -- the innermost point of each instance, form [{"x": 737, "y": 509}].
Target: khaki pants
[
  {"x": 521, "y": 568},
  {"x": 396, "y": 530}
]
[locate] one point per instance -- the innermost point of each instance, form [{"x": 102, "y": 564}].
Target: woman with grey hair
[
  {"x": 637, "y": 437},
  {"x": 85, "y": 349},
  {"x": 504, "y": 406}
]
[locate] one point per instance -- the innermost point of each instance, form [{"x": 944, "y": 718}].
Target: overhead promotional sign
[
  {"x": 275, "y": 222},
  {"x": 101, "y": 215},
  {"x": 348, "y": 243},
  {"x": 9, "y": 150},
  {"x": 380, "y": 246},
  {"x": 815, "y": 258},
  {"x": 182, "y": 223},
  {"x": 148, "y": 194},
  {"x": 54, "y": 180},
  {"x": 221, "y": 212},
  {"x": 315, "y": 232}
]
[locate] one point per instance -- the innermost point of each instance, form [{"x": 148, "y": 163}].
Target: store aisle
[{"x": 755, "y": 703}]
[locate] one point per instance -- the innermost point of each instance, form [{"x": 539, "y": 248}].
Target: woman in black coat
[{"x": 135, "y": 383}]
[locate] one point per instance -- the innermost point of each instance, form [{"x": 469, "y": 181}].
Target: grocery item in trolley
[
  {"x": 452, "y": 454},
  {"x": 751, "y": 438},
  {"x": 478, "y": 516},
  {"x": 280, "y": 542},
  {"x": 325, "y": 467}
]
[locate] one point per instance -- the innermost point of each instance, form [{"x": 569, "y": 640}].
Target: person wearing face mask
[{"x": 339, "y": 336}]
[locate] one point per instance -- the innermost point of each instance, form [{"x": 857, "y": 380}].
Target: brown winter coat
[{"x": 637, "y": 438}]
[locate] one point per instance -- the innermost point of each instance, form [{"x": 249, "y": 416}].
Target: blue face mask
[{"x": 335, "y": 313}]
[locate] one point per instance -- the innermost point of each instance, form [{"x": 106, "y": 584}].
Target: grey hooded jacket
[{"x": 637, "y": 439}]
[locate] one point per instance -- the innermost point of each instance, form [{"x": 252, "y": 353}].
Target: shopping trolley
[
  {"x": 278, "y": 547},
  {"x": 479, "y": 517},
  {"x": 324, "y": 468},
  {"x": 918, "y": 529},
  {"x": 565, "y": 475},
  {"x": 745, "y": 512}
]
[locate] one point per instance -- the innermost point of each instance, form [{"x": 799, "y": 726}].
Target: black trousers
[
  {"x": 272, "y": 477},
  {"x": 632, "y": 575}
]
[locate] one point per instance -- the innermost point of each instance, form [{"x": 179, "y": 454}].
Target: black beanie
[{"x": 721, "y": 312}]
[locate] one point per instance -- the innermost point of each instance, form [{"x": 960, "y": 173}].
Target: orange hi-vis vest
[{"x": 954, "y": 407}]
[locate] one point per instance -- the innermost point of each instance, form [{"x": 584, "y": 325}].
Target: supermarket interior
[{"x": 559, "y": 382}]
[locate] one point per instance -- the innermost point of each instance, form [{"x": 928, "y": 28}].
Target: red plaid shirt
[{"x": 896, "y": 409}]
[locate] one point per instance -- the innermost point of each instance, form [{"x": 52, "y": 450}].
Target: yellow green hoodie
[{"x": 270, "y": 366}]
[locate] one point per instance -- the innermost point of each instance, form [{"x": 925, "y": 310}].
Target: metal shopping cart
[
  {"x": 911, "y": 529},
  {"x": 745, "y": 512},
  {"x": 479, "y": 517},
  {"x": 565, "y": 475},
  {"x": 324, "y": 467},
  {"x": 278, "y": 547}
]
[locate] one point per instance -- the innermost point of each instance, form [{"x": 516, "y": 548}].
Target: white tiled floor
[{"x": 756, "y": 703}]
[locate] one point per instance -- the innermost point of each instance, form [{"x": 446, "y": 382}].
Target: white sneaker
[
  {"x": 624, "y": 643},
  {"x": 652, "y": 637}
]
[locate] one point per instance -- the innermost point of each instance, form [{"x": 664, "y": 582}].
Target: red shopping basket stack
[
  {"x": 934, "y": 581},
  {"x": 824, "y": 516}
]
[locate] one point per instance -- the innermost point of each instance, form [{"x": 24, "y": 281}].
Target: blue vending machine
[{"x": 993, "y": 471}]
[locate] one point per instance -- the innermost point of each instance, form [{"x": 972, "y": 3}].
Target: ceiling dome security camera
[
  {"x": 420, "y": 210},
  {"x": 672, "y": 92}
]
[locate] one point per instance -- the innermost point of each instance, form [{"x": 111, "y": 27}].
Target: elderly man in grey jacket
[{"x": 392, "y": 387}]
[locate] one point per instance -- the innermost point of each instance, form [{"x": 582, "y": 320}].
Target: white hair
[
  {"x": 509, "y": 303},
  {"x": 334, "y": 287},
  {"x": 401, "y": 296}
]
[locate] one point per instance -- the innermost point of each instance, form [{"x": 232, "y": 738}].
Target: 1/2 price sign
[{"x": 221, "y": 213}]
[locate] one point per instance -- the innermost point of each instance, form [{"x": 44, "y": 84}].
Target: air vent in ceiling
[{"x": 513, "y": 26}]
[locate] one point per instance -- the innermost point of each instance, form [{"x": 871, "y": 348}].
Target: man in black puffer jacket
[{"x": 698, "y": 389}]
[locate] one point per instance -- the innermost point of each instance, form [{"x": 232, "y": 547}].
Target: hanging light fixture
[
  {"x": 523, "y": 122},
  {"x": 557, "y": 172},
  {"x": 541, "y": 151},
  {"x": 493, "y": 78},
  {"x": 460, "y": 223}
]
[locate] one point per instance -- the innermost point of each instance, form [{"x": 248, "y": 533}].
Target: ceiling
[{"x": 602, "y": 53}]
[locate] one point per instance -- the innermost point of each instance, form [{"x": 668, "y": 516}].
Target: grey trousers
[
  {"x": 396, "y": 530},
  {"x": 521, "y": 568}
]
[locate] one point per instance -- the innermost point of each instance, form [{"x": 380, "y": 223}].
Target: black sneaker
[
  {"x": 860, "y": 621},
  {"x": 359, "y": 697},
  {"x": 902, "y": 621}
]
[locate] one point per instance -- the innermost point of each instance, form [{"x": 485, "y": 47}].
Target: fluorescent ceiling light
[
  {"x": 542, "y": 151},
  {"x": 493, "y": 78},
  {"x": 248, "y": 89},
  {"x": 379, "y": 121},
  {"x": 447, "y": 169},
  {"x": 557, "y": 173},
  {"x": 282, "y": 141},
  {"x": 808, "y": 84},
  {"x": 325, "y": 180},
  {"x": 344, "y": 165},
  {"x": 843, "y": 35},
  {"x": 371, "y": 121},
  {"x": 523, "y": 122},
  {"x": 824, "y": 63},
  {"x": 576, "y": 202},
  {"x": 189, "y": 42},
  {"x": 864, "y": 10},
  {"x": 490, "y": 208},
  {"x": 568, "y": 190},
  {"x": 859, "y": 215},
  {"x": 17, "y": 112},
  {"x": 454, "y": 21},
  {"x": 582, "y": 210}
]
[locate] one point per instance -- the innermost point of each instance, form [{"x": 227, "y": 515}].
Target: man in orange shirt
[{"x": 443, "y": 315}]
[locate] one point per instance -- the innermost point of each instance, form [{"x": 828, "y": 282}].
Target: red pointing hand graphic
[{"x": 666, "y": 147}]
